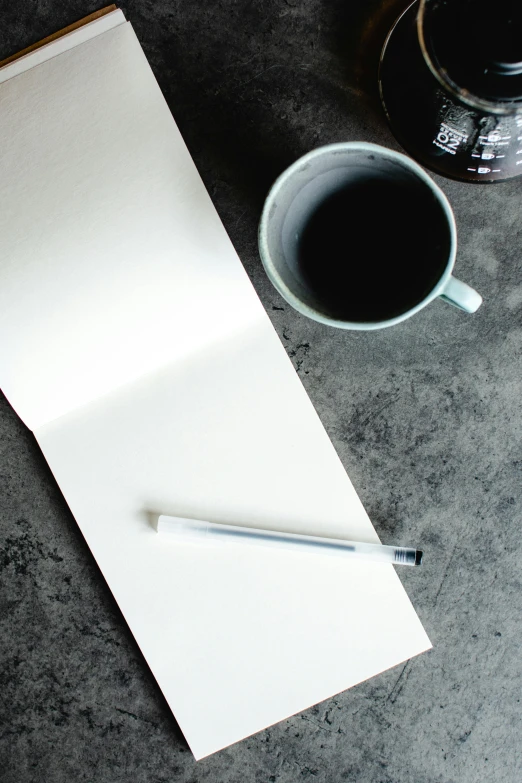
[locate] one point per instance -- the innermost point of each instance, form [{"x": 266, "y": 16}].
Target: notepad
[{"x": 136, "y": 349}]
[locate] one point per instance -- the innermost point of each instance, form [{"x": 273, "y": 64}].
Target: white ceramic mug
[{"x": 304, "y": 186}]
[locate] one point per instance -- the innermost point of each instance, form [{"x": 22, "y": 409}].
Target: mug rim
[{"x": 308, "y": 310}]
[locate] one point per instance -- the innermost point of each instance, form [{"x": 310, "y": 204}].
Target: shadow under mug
[{"x": 307, "y": 186}]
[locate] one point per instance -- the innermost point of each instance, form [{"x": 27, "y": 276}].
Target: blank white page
[
  {"x": 135, "y": 346},
  {"x": 238, "y": 638},
  {"x": 62, "y": 44},
  {"x": 114, "y": 260}
]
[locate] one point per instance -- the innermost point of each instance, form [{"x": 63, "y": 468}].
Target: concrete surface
[{"x": 426, "y": 417}]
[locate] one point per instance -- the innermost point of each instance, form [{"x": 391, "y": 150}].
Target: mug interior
[{"x": 307, "y": 185}]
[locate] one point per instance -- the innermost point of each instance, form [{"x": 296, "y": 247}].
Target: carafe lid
[{"x": 475, "y": 47}]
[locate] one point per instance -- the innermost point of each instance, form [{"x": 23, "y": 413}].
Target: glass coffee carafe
[{"x": 450, "y": 80}]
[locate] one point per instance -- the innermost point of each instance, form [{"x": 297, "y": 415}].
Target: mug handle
[{"x": 461, "y": 295}]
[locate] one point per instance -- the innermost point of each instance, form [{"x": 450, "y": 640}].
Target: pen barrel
[{"x": 199, "y": 532}]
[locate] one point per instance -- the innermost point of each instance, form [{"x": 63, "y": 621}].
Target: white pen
[{"x": 192, "y": 530}]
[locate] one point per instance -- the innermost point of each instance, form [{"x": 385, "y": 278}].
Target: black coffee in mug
[
  {"x": 358, "y": 236},
  {"x": 373, "y": 249}
]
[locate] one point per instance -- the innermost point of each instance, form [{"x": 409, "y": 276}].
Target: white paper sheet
[
  {"x": 137, "y": 350},
  {"x": 114, "y": 260},
  {"x": 63, "y": 44}
]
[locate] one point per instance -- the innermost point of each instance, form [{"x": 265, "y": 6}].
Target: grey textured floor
[{"x": 426, "y": 417}]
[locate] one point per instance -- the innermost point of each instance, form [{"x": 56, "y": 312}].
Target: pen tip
[{"x": 418, "y": 557}]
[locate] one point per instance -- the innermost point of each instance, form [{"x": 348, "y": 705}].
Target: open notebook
[{"x": 136, "y": 349}]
